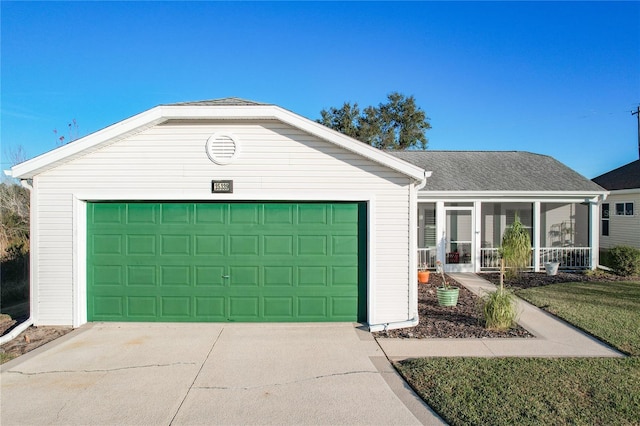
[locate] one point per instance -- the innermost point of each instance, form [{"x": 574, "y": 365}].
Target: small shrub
[
  {"x": 499, "y": 310},
  {"x": 625, "y": 260}
]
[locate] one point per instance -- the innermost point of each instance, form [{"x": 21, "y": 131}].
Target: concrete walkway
[{"x": 554, "y": 337}]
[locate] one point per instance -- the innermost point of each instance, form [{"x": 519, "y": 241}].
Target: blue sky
[{"x": 548, "y": 77}]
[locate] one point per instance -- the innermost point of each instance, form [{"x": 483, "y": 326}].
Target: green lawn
[
  {"x": 577, "y": 391},
  {"x": 609, "y": 311}
]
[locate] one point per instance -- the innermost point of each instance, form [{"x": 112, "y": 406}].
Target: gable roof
[
  {"x": 625, "y": 177},
  {"x": 217, "y": 109},
  {"x": 497, "y": 171}
]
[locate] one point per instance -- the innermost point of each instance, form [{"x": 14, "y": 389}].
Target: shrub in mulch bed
[{"x": 461, "y": 321}]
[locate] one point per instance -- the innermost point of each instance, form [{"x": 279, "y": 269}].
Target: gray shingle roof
[
  {"x": 219, "y": 102},
  {"x": 496, "y": 171},
  {"x": 625, "y": 177}
]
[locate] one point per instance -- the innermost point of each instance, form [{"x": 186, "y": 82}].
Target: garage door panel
[
  {"x": 109, "y": 306},
  {"x": 244, "y": 214},
  {"x": 274, "y": 245},
  {"x": 210, "y": 245},
  {"x": 278, "y": 276},
  {"x": 226, "y": 262},
  {"x": 142, "y": 213},
  {"x": 244, "y": 276},
  {"x": 175, "y": 213},
  {"x": 141, "y": 275},
  {"x": 175, "y": 276},
  {"x": 244, "y": 308},
  {"x": 176, "y": 307},
  {"x": 311, "y": 307},
  {"x": 175, "y": 245},
  {"x": 141, "y": 245},
  {"x": 211, "y": 213},
  {"x": 344, "y": 214},
  {"x": 244, "y": 245},
  {"x": 278, "y": 308},
  {"x": 142, "y": 307},
  {"x": 107, "y": 244},
  {"x": 210, "y": 308},
  {"x": 315, "y": 214},
  {"x": 209, "y": 276},
  {"x": 279, "y": 214}
]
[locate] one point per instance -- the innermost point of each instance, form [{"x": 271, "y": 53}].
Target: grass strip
[
  {"x": 528, "y": 391},
  {"x": 609, "y": 311}
]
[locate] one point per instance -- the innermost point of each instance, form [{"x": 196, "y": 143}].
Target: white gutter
[
  {"x": 413, "y": 289},
  {"x": 29, "y": 322}
]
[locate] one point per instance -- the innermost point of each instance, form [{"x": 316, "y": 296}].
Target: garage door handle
[{"x": 225, "y": 276}]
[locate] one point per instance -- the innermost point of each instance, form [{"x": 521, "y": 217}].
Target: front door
[{"x": 459, "y": 239}]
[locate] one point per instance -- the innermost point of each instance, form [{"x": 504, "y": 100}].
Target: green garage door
[{"x": 226, "y": 261}]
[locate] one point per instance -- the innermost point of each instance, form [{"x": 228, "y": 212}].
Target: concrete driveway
[{"x": 178, "y": 374}]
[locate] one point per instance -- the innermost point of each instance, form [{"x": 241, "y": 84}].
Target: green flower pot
[{"x": 447, "y": 297}]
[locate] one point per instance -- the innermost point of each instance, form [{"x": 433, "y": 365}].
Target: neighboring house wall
[
  {"x": 623, "y": 229},
  {"x": 277, "y": 162}
]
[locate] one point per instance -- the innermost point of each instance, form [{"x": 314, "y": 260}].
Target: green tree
[
  {"x": 398, "y": 124},
  {"x": 14, "y": 218}
]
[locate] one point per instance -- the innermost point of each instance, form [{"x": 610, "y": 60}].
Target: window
[
  {"x": 624, "y": 209},
  {"x": 430, "y": 227},
  {"x": 605, "y": 219}
]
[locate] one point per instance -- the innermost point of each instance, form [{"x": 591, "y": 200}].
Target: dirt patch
[
  {"x": 461, "y": 321},
  {"x": 30, "y": 339}
]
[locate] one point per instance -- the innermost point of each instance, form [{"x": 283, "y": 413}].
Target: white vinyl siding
[
  {"x": 274, "y": 158},
  {"x": 623, "y": 229}
]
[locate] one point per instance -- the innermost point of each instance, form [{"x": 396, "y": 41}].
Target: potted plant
[
  {"x": 423, "y": 274},
  {"x": 552, "y": 267},
  {"x": 447, "y": 295}
]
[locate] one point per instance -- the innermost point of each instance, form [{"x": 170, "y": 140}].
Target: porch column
[
  {"x": 536, "y": 236},
  {"x": 477, "y": 238},
  {"x": 594, "y": 233},
  {"x": 440, "y": 231}
]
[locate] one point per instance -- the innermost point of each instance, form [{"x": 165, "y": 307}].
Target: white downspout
[
  {"x": 413, "y": 283},
  {"x": 29, "y": 322}
]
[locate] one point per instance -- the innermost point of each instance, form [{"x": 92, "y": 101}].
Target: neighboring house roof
[
  {"x": 496, "y": 171},
  {"x": 217, "y": 109},
  {"x": 625, "y": 177}
]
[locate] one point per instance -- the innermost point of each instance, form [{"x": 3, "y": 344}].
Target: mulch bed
[
  {"x": 461, "y": 321},
  {"x": 537, "y": 279}
]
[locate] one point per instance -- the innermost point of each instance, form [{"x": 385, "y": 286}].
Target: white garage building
[{"x": 224, "y": 210}]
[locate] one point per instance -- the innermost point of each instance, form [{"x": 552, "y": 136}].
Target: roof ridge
[{"x": 228, "y": 101}]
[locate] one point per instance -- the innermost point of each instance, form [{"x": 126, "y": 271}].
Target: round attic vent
[{"x": 222, "y": 148}]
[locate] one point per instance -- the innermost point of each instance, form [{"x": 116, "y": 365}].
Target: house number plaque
[{"x": 222, "y": 186}]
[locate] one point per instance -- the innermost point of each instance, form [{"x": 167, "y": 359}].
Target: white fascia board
[
  {"x": 164, "y": 113},
  {"x": 497, "y": 196},
  {"x": 624, "y": 191},
  {"x": 116, "y": 131}
]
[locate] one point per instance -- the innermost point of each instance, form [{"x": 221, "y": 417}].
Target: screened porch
[{"x": 466, "y": 236}]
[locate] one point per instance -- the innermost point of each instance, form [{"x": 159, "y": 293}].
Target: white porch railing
[
  {"x": 427, "y": 257},
  {"x": 568, "y": 257}
]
